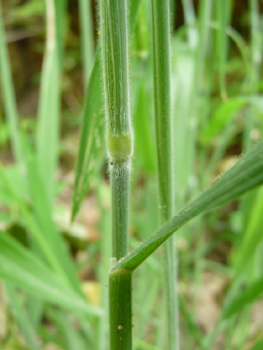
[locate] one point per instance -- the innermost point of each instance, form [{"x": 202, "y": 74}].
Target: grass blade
[
  {"x": 252, "y": 235},
  {"x": 21, "y": 268},
  {"x": 256, "y": 42},
  {"x": 258, "y": 346},
  {"x": 9, "y": 99},
  {"x": 61, "y": 20},
  {"x": 223, "y": 14},
  {"x": 91, "y": 136},
  {"x": 48, "y": 230},
  {"x": 190, "y": 19},
  {"x": 87, "y": 37},
  {"x": 246, "y": 174},
  {"x": 41, "y": 224},
  {"x": 222, "y": 116},
  {"x": 193, "y": 328},
  {"x": 48, "y": 113},
  {"x": 73, "y": 338},
  {"x": 164, "y": 142},
  {"x": 22, "y": 318},
  {"x": 253, "y": 291}
]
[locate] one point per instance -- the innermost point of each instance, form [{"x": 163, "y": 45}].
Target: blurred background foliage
[{"x": 218, "y": 114}]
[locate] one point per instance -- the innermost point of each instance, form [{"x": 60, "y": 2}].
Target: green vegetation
[{"x": 169, "y": 154}]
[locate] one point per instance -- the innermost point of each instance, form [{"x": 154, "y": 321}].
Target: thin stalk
[
  {"x": 9, "y": 99},
  {"x": 223, "y": 15},
  {"x": 163, "y": 121},
  {"x": 103, "y": 195},
  {"x": 249, "y": 121},
  {"x": 47, "y": 134},
  {"x": 120, "y": 308},
  {"x": 87, "y": 38},
  {"x": 114, "y": 36},
  {"x": 256, "y": 42},
  {"x": 190, "y": 20}
]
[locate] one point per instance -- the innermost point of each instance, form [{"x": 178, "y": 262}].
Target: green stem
[
  {"x": 120, "y": 179},
  {"x": 87, "y": 40},
  {"x": 114, "y": 36},
  {"x": 120, "y": 310},
  {"x": 162, "y": 90},
  {"x": 9, "y": 99}
]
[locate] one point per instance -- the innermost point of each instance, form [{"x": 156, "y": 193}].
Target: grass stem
[
  {"x": 114, "y": 36},
  {"x": 163, "y": 121}
]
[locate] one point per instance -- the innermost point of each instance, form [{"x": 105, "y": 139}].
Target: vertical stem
[
  {"x": 223, "y": 16},
  {"x": 256, "y": 42},
  {"x": 120, "y": 178},
  {"x": 114, "y": 38},
  {"x": 47, "y": 133},
  {"x": 9, "y": 99},
  {"x": 120, "y": 310},
  {"x": 190, "y": 19},
  {"x": 162, "y": 91},
  {"x": 87, "y": 40}
]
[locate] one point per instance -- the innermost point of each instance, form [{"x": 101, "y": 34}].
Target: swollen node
[{"x": 120, "y": 146}]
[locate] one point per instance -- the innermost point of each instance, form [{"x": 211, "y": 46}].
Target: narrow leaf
[
  {"x": 252, "y": 235},
  {"x": 40, "y": 222},
  {"x": 48, "y": 113},
  {"x": 48, "y": 230},
  {"x": 258, "y": 346},
  {"x": 87, "y": 37},
  {"x": 9, "y": 99},
  {"x": 246, "y": 174},
  {"x": 251, "y": 294},
  {"x": 21, "y": 268},
  {"x": 224, "y": 114},
  {"x": 21, "y": 316}
]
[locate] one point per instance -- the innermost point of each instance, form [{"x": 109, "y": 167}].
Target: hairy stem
[
  {"x": 120, "y": 310},
  {"x": 119, "y": 146}
]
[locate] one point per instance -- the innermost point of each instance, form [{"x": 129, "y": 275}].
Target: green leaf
[
  {"x": 29, "y": 9},
  {"x": 192, "y": 326},
  {"x": 9, "y": 99},
  {"x": 92, "y": 131},
  {"x": 143, "y": 128},
  {"x": 258, "y": 346},
  {"x": 48, "y": 230},
  {"x": 251, "y": 294},
  {"x": 87, "y": 37},
  {"x": 246, "y": 174},
  {"x": 21, "y": 316},
  {"x": 91, "y": 136},
  {"x": 252, "y": 234},
  {"x": 73, "y": 337},
  {"x": 142, "y": 344},
  {"x": 20, "y": 267},
  {"x": 49, "y": 104},
  {"x": 224, "y": 113},
  {"x": 40, "y": 222}
]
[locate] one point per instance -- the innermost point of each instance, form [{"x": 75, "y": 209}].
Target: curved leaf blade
[
  {"x": 246, "y": 174},
  {"x": 258, "y": 346},
  {"x": 21, "y": 268},
  {"x": 251, "y": 294}
]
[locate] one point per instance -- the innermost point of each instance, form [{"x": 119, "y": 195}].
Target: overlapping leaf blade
[
  {"x": 9, "y": 99},
  {"x": 20, "y": 267},
  {"x": 250, "y": 295},
  {"x": 22, "y": 317},
  {"x": 246, "y": 174}
]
